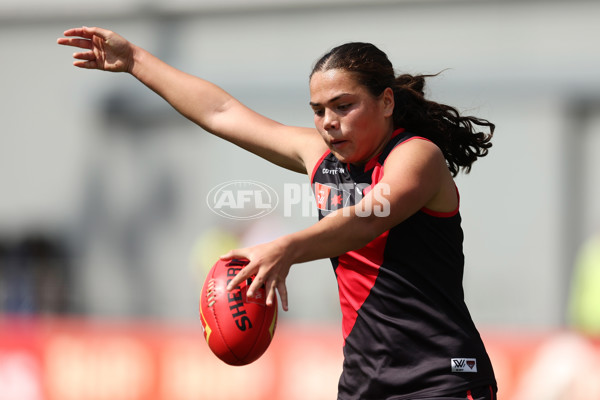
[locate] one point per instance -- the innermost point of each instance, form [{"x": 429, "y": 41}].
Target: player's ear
[{"x": 388, "y": 102}]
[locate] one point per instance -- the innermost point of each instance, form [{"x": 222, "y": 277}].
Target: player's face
[{"x": 354, "y": 124}]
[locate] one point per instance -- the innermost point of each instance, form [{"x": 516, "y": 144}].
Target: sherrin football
[{"x": 237, "y": 329}]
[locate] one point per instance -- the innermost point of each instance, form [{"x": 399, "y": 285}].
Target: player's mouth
[{"x": 337, "y": 144}]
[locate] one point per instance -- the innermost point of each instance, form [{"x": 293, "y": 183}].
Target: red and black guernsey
[{"x": 407, "y": 331}]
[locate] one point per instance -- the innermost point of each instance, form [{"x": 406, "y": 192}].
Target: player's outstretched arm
[{"x": 202, "y": 102}]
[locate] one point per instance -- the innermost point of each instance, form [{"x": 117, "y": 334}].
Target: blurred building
[{"x": 122, "y": 179}]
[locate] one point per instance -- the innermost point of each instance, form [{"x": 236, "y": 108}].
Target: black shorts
[{"x": 482, "y": 393}]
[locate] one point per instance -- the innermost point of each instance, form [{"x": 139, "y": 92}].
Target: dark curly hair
[{"x": 456, "y": 135}]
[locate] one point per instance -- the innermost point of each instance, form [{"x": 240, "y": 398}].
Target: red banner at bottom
[{"x": 63, "y": 359}]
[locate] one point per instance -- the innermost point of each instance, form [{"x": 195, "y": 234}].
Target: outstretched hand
[
  {"x": 106, "y": 50},
  {"x": 269, "y": 265}
]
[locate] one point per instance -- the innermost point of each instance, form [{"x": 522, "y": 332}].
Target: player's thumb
[{"x": 231, "y": 254}]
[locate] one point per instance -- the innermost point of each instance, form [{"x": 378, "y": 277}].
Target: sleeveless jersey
[{"x": 407, "y": 331}]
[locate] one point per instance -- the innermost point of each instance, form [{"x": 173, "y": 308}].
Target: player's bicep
[{"x": 287, "y": 146}]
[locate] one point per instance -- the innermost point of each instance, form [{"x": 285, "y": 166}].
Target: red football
[{"x": 237, "y": 329}]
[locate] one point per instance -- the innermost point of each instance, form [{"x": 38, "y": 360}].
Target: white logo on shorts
[{"x": 463, "y": 364}]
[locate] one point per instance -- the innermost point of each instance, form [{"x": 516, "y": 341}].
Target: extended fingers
[
  {"x": 256, "y": 284},
  {"x": 77, "y": 37},
  {"x": 229, "y": 255},
  {"x": 84, "y": 59},
  {"x": 81, "y": 31},
  {"x": 86, "y": 64},
  {"x": 237, "y": 280},
  {"x": 82, "y": 37},
  {"x": 272, "y": 288},
  {"x": 85, "y": 55},
  {"x": 87, "y": 32},
  {"x": 241, "y": 276},
  {"x": 271, "y": 276},
  {"x": 75, "y": 42},
  {"x": 283, "y": 295}
]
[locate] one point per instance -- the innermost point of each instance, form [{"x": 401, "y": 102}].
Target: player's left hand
[
  {"x": 269, "y": 264},
  {"x": 106, "y": 50}
]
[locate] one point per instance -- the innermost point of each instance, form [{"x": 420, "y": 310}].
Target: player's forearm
[
  {"x": 332, "y": 236},
  {"x": 195, "y": 98}
]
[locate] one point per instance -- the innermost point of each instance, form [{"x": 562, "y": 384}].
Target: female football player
[{"x": 381, "y": 160}]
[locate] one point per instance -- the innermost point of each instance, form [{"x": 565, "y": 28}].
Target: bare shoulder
[
  {"x": 417, "y": 168},
  {"x": 417, "y": 154}
]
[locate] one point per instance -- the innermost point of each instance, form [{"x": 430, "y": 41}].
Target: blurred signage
[{"x": 48, "y": 359}]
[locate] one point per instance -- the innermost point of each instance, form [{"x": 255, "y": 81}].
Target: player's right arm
[{"x": 201, "y": 101}]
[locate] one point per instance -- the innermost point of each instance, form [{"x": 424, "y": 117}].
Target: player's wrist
[
  {"x": 136, "y": 59},
  {"x": 290, "y": 248}
]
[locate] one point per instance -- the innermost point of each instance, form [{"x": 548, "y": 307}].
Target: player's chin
[{"x": 345, "y": 157}]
